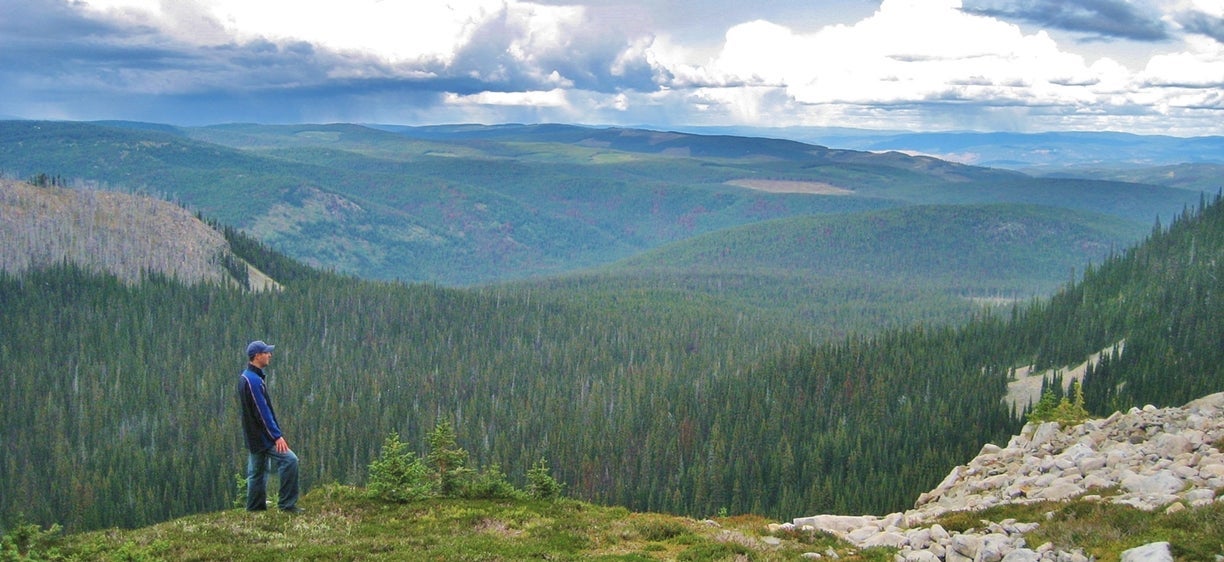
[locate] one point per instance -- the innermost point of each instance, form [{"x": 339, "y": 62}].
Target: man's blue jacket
[{"x": 258, "y": 418}]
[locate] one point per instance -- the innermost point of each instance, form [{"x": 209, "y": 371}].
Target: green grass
[{"x": 343, "y": 524}]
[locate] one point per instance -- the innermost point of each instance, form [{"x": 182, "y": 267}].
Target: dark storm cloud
[
  {"x": 1100, "y": 18},
  {"x": 55, "y": 57},
  {"x": 47, "y": 46},
  {"x": 50, "y": 36},
  {"x": 1203, "y": 24},
  {"x": 57, "y": 63}
]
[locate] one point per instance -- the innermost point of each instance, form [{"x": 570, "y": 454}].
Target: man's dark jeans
[{"x": 258, "y": 465}]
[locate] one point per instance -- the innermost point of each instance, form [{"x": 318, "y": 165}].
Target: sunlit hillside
[{"x": 115, "y": 233}]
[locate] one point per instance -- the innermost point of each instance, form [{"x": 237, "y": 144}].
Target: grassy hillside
[
  {"x": 349, "y": 527},
  {"x": 348, "y": 523},
  {"x": 468, "y": 205}
]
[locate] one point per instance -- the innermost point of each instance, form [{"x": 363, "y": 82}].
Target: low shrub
[
  {"x": 397, "y": 475},
  {"x": 540, "y": 483}
]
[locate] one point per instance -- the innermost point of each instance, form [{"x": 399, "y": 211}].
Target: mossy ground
[{"x": 341, "y": 523}]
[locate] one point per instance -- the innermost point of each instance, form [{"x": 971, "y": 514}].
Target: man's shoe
[{"x": 295, "y": 510}]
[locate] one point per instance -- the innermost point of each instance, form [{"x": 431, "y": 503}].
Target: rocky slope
[{"x": 1151, "y": 459}]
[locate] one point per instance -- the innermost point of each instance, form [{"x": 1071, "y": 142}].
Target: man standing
[{"x": 263, "y": 436}]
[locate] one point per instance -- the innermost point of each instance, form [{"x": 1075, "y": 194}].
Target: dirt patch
[
  {"x": 787, "y": 186},
  {"x": 260, "y": 281},
  {"x": 994, "y": 301},
  {"x": 496, "y": 527}
]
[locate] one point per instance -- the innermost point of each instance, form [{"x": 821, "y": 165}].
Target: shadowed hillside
[{"x": 971, "y": 250}]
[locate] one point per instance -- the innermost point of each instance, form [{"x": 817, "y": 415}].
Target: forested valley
[{"x": 117, "y": 406}]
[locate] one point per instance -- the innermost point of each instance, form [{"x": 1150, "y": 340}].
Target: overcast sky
[{"x": 1142, "y": 66}]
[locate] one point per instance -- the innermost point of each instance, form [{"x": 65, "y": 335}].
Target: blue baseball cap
[{"x": 256, "y": 347}]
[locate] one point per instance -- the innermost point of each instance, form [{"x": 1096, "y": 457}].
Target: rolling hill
[
  {"x": 863, "y": 272},
  {"x": 1204, "y": 176},
  {"x": 973, "y": 250},
  {"x": 468, "y": 205}
]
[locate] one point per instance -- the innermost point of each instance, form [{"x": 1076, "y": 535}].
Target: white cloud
[
  {"x": 906, "y": 51},
  {"x": 1202, "y": 66},
  {"x": 917, "y": 63},
  {"x": 393, "y": 31},
  {"x": 912, "y": 63},
  {"x": 551, "y": 98}
]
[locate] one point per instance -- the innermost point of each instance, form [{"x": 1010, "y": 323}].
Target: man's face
[{"x": 261, "y": 360}]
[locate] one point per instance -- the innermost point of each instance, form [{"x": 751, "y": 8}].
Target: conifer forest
[{"x": 117, "y": 403}]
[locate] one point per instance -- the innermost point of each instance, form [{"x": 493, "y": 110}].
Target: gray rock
[
  {"x": 964, "y": 547},
  {"x": 1058, "y": 491},
  {"x": 1022, "y": 555},
  {"x": 1044, "y": 434},
  {"x": 837, "y": 523},
  {"x": 994, "y": 547},
  {"x": 920, "y": 556},
  {"x": 1154, "y": 552},
  {"x": 919, "y": 539},
  {"x": 1169, "y": 445},
  {"x": 1163, "y": 482},
  {"x": 894, "y": 540}
]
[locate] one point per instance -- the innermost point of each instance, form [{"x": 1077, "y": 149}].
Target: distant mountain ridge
[
  {"x": 463, "y": 205},
  {"x": 1035, "y": 151}
]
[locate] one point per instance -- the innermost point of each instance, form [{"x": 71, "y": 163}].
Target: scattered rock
[{"x": 1156, "y": 458}]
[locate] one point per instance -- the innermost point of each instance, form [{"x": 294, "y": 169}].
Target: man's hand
[{"x": 282, "y": 447}]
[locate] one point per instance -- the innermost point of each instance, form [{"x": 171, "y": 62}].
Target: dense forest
[{"x": 118, "y": 406}]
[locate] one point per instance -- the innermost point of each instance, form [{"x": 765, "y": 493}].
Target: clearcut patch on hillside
[
  {"x": 1025, "y": 390},
  {"x": 787, "y": 186}
]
